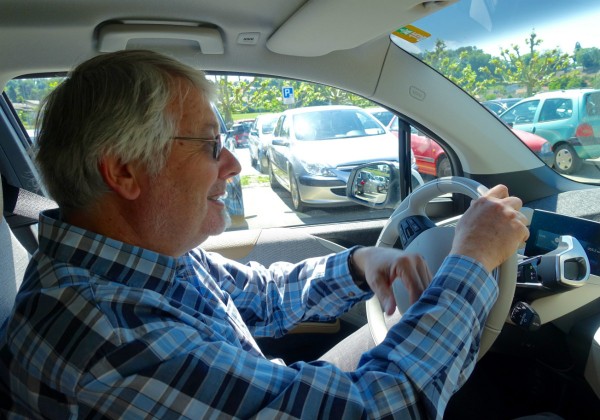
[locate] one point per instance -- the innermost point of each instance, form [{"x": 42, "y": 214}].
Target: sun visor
[
  {"x": 323, "y": 26},
  {"x": 125, "y": 35}
]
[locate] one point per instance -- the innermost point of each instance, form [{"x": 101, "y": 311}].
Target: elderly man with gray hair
[{"x": 122, "y": 314}]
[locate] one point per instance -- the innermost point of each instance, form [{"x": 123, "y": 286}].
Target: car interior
[{"x": 544, "y": 352}]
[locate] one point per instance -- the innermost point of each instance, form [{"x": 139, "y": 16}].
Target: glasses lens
[{"x": 217, "y": 148}]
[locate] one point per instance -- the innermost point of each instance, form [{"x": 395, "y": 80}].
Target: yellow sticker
[{"x": 411, "y": 33}]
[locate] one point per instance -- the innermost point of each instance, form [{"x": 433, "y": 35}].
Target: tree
[
  {"x": 588, "y": 58},
  {"x": 258, "y": 94},
  {"x": 533, "y": 70},
  {"x": 458, "y": 66}
]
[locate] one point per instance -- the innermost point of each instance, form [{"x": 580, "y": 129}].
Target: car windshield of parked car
[
  {"x": 335, "y": 124},
  {"x": 268, "y": 124}
]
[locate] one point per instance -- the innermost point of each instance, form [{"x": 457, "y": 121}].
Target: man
[{"x": 121, "y": 314}]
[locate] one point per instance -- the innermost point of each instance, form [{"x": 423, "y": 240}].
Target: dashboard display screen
[{"x": 546, "y": 227}]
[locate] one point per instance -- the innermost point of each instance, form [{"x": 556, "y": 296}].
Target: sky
[{"x": 490, "y": 24}]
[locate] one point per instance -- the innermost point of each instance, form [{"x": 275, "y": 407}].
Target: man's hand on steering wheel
[
  {"x": 491, "y": 229},
  {"x": 381, "y": 266}
]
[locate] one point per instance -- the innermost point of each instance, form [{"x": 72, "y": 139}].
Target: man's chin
[
  {"x": 226, "y": 221},
  {"x": 220, "y": 225}
]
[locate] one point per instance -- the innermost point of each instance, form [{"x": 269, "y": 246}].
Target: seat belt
[{"x": 21, "y": 211}]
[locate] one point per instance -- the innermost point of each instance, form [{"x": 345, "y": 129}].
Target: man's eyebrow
[{"x": 208, "y": 127}]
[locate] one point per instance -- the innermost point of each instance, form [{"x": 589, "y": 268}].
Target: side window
[
  {"x": 288, "y": 183},
  {"x": 592, "y": 104},
  {"x": 556, "y": 109},
  {"x": 278, "y": 124},
  {"x": 285, "y": 128},
  {"x": 522, "y": 113}
]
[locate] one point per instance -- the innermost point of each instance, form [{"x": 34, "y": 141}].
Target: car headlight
[
  {"x": 318, "y": 169},
  {"x": 546, "y": 148}
]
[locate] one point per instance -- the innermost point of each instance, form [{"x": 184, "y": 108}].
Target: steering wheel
[{"x": 418, "y": 234}]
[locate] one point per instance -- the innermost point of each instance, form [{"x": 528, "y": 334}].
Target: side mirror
[
  {"x": 375, "y": 184},
  {"x": 254, "y": 132}
]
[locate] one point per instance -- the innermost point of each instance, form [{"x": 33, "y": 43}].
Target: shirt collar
[{"x": 103, "y": 256}]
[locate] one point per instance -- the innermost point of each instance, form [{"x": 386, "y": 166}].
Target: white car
[
  {"x": 315, "y": 148},
  {"x": 259, "y": 140}
]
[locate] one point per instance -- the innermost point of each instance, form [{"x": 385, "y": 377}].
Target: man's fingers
[{"x": 499, "y": 191}]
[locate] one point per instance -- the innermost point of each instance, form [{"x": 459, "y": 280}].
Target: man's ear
[{"x": 121, "y": 178}]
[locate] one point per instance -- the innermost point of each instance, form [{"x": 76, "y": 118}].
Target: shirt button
[{"x": 351, "y": 294}]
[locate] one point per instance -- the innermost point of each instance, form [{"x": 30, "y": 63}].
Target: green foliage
[
  {"x": 26, "y": 95},
  {"x": 571, "y": 80},
  {"x": 532, "y": 70},
  {"x": 254, "y": 180},
  {"x": 264, "y": 95},
  {"x": 468, "y": 67},
  {"x": 588, "y": 59}
]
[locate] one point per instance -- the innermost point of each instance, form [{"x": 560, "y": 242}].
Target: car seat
[{"x": 13, "y": 260}]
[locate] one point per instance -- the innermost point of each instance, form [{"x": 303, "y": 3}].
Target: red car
[{"x": 432, "y": 160}]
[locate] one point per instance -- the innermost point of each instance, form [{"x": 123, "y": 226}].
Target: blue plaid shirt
[{"x": 105, "y": 328}]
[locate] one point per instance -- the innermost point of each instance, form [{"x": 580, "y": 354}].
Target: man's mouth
[{"x": 218, "y": 197}]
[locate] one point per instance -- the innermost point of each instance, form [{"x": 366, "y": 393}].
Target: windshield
[
  {"x": 335, "y": 124},
  {"x": 535, "y": 64}
]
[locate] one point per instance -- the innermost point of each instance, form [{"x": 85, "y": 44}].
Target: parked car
[
  {"x": 238, "y": 133},
  {"x": 234, "y": 201},
  {"x": 431, "y": 158},
  {"x": 315, "y": 148},
  {"x": 568, "y": 119},
  {"x": 382, "y": 114},
  {"x": 367, "y": 183},
  {"x": 261, "y": 133},
  {"x": 498, "y": 106}
]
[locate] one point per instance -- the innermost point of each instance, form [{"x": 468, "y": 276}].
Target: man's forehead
[{"x": 195, "y": 109}]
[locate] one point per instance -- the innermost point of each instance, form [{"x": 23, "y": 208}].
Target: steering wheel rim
[{"x": 414, "y": 205}]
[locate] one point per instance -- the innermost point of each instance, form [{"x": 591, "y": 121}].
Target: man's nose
[{"x": 230, "y": 166}]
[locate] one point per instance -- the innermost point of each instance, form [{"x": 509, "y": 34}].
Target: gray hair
[{"x": 113, "y": 104}]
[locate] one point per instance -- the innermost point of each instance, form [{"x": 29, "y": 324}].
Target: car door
[
  {"x": 523, "y": 115},
  {"x": 555, "y": 121},
  {"x": 280, "y": 151}
]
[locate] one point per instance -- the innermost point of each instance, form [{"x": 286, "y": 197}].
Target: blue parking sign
[{"x": 288, "y": 95}]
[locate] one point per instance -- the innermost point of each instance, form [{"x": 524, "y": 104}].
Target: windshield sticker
[{"x": 411, "y": 34}]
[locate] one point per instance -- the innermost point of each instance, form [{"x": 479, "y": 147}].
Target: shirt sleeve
[
  {"x": 181, "y": 372},
  {"x": 273, "y": 300}
]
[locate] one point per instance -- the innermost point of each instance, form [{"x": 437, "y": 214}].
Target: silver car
[
  {"x": 259, "y": 139},
  {"x": 314, "y": 149}
]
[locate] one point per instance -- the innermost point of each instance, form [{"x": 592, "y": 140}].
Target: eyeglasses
[{"x": 217, "y": 147}]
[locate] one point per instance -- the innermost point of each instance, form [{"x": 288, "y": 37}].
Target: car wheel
[
  {"x": 274, "y": 183},
  {"x": 566, "y": 160},
  {"x": 296, "y": 199},
  {"x": 443, "y": 167}
]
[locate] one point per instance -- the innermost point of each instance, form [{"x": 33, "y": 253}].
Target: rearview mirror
[{"x": 375, "y": 184}]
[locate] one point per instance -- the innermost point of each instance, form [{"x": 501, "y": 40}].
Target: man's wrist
[{"x": 357, "y": 274}]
